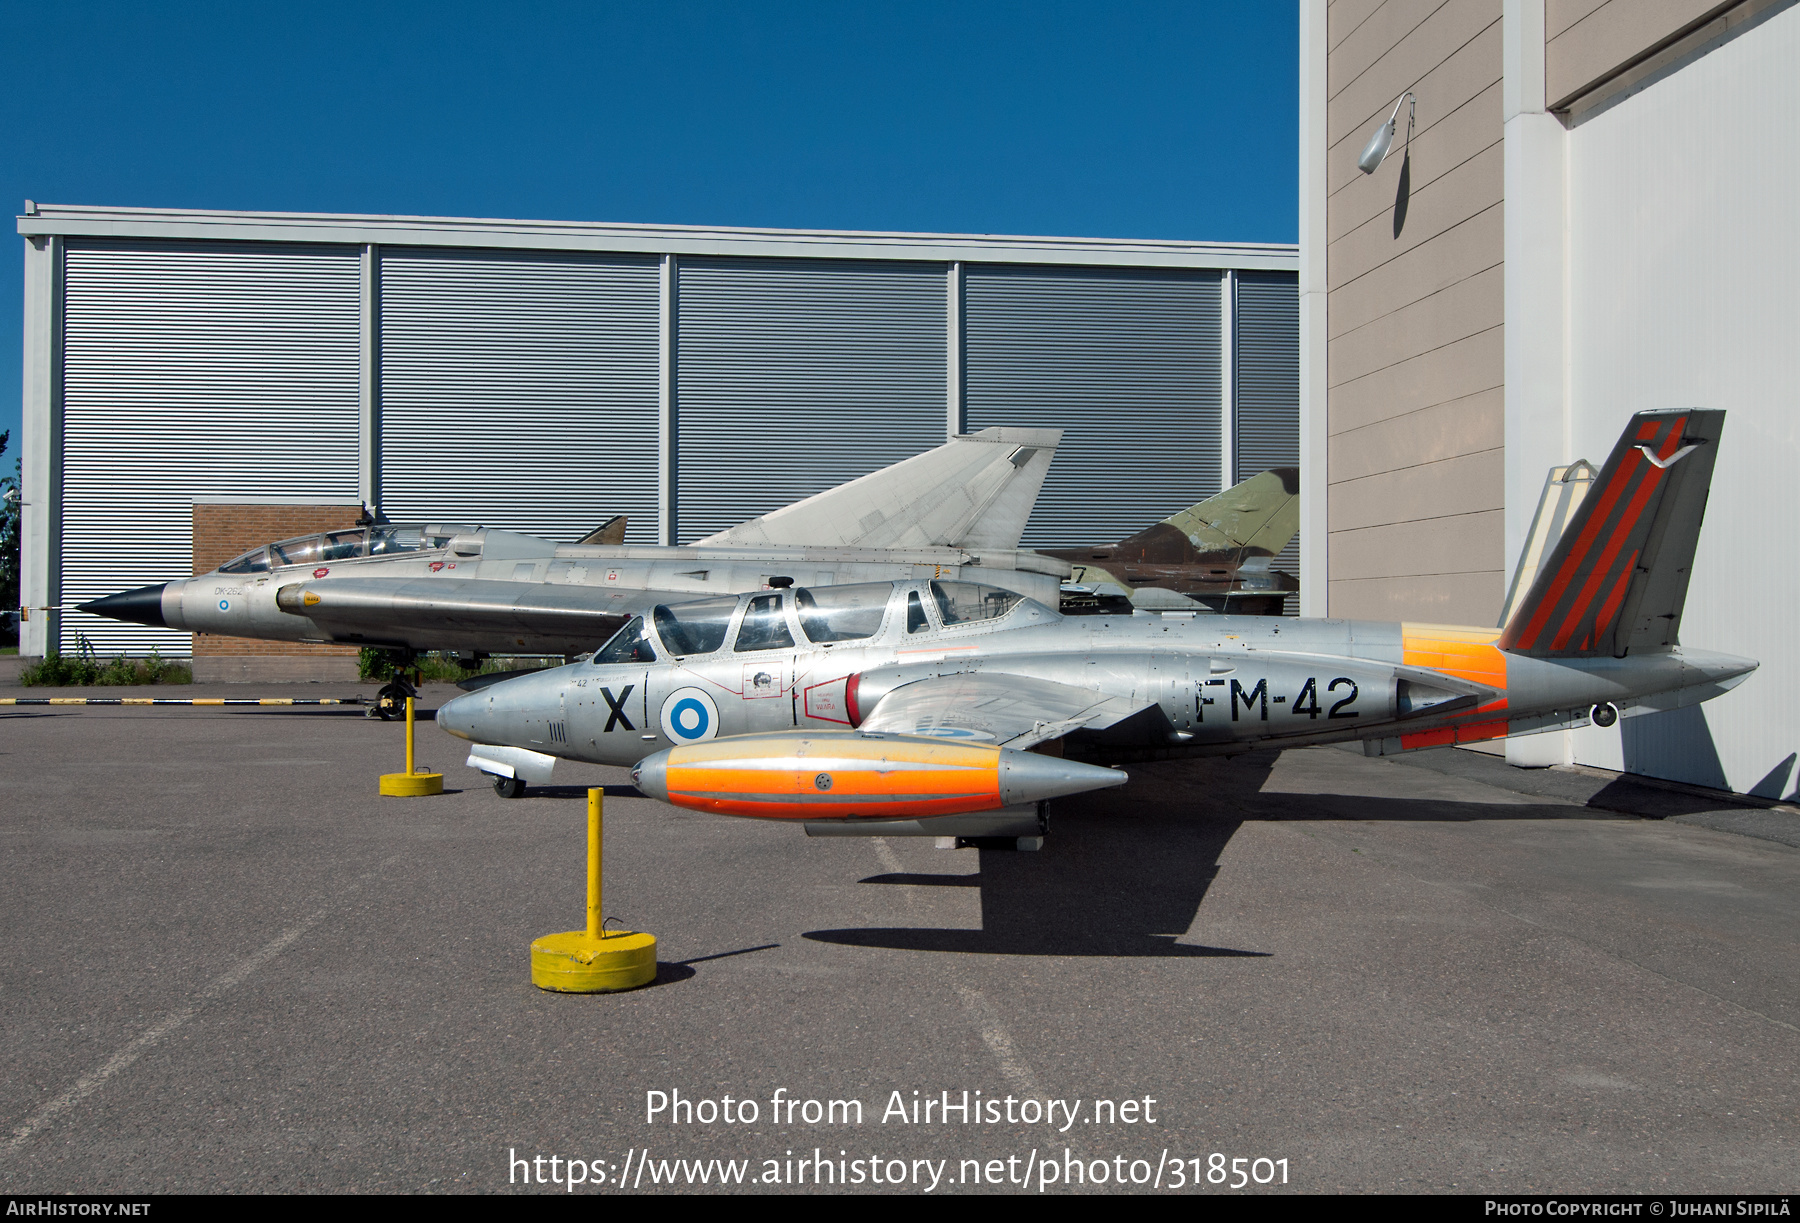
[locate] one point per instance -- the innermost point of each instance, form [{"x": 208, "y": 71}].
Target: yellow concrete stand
[
  {"x": 410, "y": 784},
  {"x": 593, "y": 961}
]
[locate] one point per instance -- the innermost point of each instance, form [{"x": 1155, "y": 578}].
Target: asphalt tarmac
[{"x": 230, "y": 966}]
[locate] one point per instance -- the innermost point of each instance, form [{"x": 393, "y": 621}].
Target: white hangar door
[
  {"x": 519, "y": 389},
  {"x": 793, "y": 376},
  {"x": 1126, "y": 362},
  {"x": 1267, "y": 367},
  {"x": 1684, "y": 262},
  {"x": 195, "y": 370}
]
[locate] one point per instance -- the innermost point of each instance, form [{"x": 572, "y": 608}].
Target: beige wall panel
[
  {"x": 1559, "y": 15},
  {"x": 1455, "y": 543},
  {"x": 1429, "y": 435},
  {"x": 1415, "y": 353},
  {"x": 1466, "y": 191},
  {"x": 1418, "y": 494},
  {"x": 1609, "y": 37},
  {"x": 1456, "y": 371},
  {"x": 1449, "y": 598},
  {"x": 1470, "y": 248},
  {"x": 1466, "y": 308},
  {"x": 1344, "y": 17},
  {"x": 1445, "y": 62},
  {"x": 1375, "y": 37}
]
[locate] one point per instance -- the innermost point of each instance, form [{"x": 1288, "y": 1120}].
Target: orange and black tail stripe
[{"x": 1574, "y": 604}]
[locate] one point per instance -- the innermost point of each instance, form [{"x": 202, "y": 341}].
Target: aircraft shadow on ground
[{"x": 1124, "y": 871}]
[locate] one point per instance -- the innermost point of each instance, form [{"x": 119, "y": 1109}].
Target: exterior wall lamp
[{"x": 1377, "y": 149}]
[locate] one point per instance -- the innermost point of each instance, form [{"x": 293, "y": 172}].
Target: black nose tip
[{"x": 140, "y": 606}]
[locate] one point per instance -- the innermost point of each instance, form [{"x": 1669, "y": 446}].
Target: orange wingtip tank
[{"x": 845, "y": 775}]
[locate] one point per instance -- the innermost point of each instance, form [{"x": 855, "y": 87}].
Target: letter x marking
[{"x": 617, "y": 706}]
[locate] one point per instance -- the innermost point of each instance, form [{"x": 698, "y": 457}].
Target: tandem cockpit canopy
[
  {"x": 823, "y": 615},
  {"x": 350, "y": 544}
]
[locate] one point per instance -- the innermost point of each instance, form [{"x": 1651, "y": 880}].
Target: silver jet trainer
[
  {"x": 906, "y": 707},
  {"x": 960, "y": 507}
]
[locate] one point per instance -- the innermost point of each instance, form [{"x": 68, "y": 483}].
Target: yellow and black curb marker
[
  {"x": 593, "y": 961},
  {"x": 198, "y": 700}
]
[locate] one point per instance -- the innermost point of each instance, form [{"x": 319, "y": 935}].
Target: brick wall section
[
  {"x": 1415, "y": 360},
  {"x": 222, "y": 532}
]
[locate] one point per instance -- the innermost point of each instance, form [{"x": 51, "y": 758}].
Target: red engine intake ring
[{"x": 850, "y": 706}]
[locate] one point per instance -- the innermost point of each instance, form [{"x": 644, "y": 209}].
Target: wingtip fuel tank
[{"x": 848, "y": 775}]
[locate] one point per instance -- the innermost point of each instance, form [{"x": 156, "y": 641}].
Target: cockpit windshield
[
  {"x": 842, "y": 613},
  {"x": 962, "y": 602},
  {"x": 695, "y": 628},
  {"x": 629, "y": 644},
  {"x": 345, "y": 545}
]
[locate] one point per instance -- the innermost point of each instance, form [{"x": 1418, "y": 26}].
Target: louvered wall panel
[
  {"x": 795, "y": 376},
  {"x": 1268, "y": 386},
  {"x": 1126, "y": 361},
  {"x": 519, "y": 389},
  {"x": 195, "y": 369}
]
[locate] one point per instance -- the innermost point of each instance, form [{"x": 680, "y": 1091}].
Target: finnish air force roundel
[{"x": 689, "y": 715}]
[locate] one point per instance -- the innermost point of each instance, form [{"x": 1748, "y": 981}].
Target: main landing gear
[{"x": 509, "y": 787}]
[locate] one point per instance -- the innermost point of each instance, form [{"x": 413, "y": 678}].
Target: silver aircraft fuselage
[
  {"x": 489, "y": 591},
  {"x": 1178, "y": 685}
]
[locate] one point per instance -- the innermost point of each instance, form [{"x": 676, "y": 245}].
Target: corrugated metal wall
[
  {"x": 1126, "y": 361},
  {"x": 519, "y": 389},
  {"x": 195, "y": 369},
  {"x": 1267, "y": 425},
  {"x": 797, "y": 375},
  {"x": 1684, "y": 258}
]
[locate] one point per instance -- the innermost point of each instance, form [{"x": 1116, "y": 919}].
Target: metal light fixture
[{"x": 1383, "y": 139}]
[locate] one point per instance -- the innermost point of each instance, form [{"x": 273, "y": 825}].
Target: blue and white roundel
[{"x": 689, "y": 715}]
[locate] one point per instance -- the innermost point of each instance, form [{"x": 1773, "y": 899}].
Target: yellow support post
[
  {"x": 411, "y": 784},
  {"x": 591, "y": 961}
]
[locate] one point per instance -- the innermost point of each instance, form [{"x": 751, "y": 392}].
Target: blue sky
[{"x": 1142, "y": 119}]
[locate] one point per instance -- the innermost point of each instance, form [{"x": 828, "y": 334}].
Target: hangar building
[
  {"x": 1596, "y": 218},
  {"x": 199, "y": 382}
]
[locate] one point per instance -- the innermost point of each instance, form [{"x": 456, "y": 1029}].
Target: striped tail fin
[{"x": 1617, "y": 579}]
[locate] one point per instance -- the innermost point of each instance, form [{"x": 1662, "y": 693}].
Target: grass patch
[
  {"x": 83, "y": 670},
  {"x": 440, "y": 668}
]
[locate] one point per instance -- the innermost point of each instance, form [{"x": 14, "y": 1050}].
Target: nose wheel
[
  {"x": 509, "y": 787},
  {"x": 390, "y": 702}
]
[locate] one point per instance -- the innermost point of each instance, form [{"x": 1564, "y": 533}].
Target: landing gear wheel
[
  {"x": 390, "y": 702},
  {"x": 509, "y": 787},
  {"x": 1604, "y": 715}
]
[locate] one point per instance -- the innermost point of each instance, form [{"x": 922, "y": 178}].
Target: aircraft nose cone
[
  {"x": 1029, "y": 777},
  {"x": 140, "y": 606},
  {"x": 457, "y": 715},
  {"x": 651, "y": 776}
]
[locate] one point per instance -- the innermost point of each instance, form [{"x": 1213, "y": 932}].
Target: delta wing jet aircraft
[
  {"x": 933, "y": 706},
  {"x": 1213, "y": 556},
  {"x": 959, "y": 508}
]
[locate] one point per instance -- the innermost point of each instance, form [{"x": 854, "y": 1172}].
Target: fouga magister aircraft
[{"x": 908, "y": 708}]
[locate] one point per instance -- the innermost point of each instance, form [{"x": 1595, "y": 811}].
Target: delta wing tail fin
[
  {"x": 974, "y": 491},
  {"x": 1615, "y": 582},
  {"x": 612, "y": 531},
  {"x": 1256, "y": 517}
]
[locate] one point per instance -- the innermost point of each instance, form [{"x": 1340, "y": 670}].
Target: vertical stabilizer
[
  {"x": 974, "y": 491},
  {"x": 1616, "y": 581},
  {"x": 1254, "y": 518},
  {"x": 1564, "y": 490}
]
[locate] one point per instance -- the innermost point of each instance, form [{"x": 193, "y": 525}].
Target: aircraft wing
[
  {"x": 974, "y": 491},
  {"x": 1013, "y": 710}
]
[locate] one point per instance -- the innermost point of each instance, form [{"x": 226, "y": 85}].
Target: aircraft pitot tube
[{"x": 842, "y": 774}]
